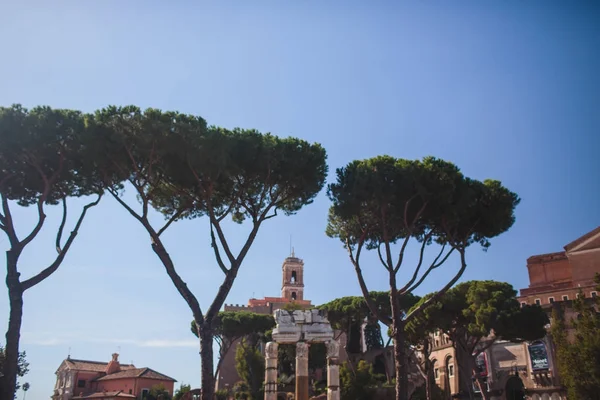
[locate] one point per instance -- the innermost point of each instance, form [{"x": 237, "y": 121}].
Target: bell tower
[{"x": 292, "y": 287}]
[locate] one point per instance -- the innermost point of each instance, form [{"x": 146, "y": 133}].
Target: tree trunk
[
  {"x": 428, "y": 391},
  {"x": 206, "y": 335},
  {"x": 400, "y": 362},
  {"x": 13, "y": 334}
]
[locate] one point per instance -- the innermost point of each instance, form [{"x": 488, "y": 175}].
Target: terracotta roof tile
[
  {"x": 95, "y": 366},
  {"x": 136, "y": 373}
]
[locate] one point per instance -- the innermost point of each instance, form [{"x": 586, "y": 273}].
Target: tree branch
[
  {"x": 62, "y": 226},
  {"x": 38, "y": 226},
  {"x": 216, "y": 250},
  {"x": 125, "y": 205},
  {"x": 436, "y": 296},
  {"x": 271, "y": 216},
  {"x": 170, "y": 221},
  {"x": 143, "y": 197},
  {"x": 401, "y": 254},
  {"x": 431, "y": 268},
  {"x": 235, "y": 266},
  {"x": 414, "y": 277},
  {"x": 9, "y": 227},
  {"x": 379, "y": 254},
  {"x": 221, "y": 235},
  {"x": 61, "y": 255},
  {"x": 361, "y": 280}
]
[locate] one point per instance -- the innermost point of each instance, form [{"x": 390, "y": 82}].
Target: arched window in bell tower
[
  {"x": 293, "y": 295},
  {"x": 294, "y": 278}
]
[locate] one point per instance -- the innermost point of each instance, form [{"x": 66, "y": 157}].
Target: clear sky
[{"x": 508, "y": 90}]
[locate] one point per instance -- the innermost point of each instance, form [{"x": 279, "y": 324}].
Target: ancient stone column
[
  {"x": 301, "y": 371},
  {"x": 333, "y": 370},
  {"x": 271, "y": 371}
]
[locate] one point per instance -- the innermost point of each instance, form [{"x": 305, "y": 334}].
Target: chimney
[{"x": 113, "y": 366}]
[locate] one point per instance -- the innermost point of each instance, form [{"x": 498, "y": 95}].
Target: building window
[
  {"x": 145, "y": 393},
  {"x": 130, "y": 391},
  {"x": 437, "y": 343},
  {"x": 523, "y": 304},
  {"x": 578, "y": 295},
  {"x": 294, "y": 277},
  {"x": 565, "y": 298},
  {"x": 451, "y": 370},
  {"x": 594, "y": 294},
  {"x": 81, "y": 383},
  {"x": 550, "y": 300},
  {"x": 293, "y": 295},
  {"x": 436, "y": 373},
  {"x": 538, "y": 302}
]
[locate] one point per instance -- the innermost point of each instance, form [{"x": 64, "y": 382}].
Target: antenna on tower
[{"x": 291, "y": 244}]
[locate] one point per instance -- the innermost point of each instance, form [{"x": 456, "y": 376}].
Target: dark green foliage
[
  {"x": 579, "y": 357},
  {"x": 474, "y": 315},
  {"x": 383, "y": 201},
  {"x": 183, "y": 168},
  {"x": 373, "y": 337},
  {"x": 183, "y": 389},
  {"x": 387, "y": 199},
  {"x": 358, "y": 384},
  {"x": 23, "y": 365},
  {"x": 232, "y": 325},
  {"x": 41, "y": 155},
  {"x": 473, "y": 309},
  {"x": 250, "y": 366},
  {"x": 188, "y": 169},
  {"x": 221, "y": 394},
  {"x": 317, "y": 356},
  {"x": 158, "y": 392},
  {"x": 286, "y": 359},
  {"x": 347, "y": 314},
  {"x": 44, "y": 160}
]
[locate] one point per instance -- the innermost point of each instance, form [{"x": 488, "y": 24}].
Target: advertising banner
[{"x": 538, "y": 356}]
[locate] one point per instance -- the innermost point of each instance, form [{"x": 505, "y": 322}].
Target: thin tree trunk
[
  {"x": 428, "y": 391},
  {"x": 13, "y": 334},
  {"x": 400, "y": 362},
  {"x": 466, "y": 363},
  {"x": 206, "y": 335}
]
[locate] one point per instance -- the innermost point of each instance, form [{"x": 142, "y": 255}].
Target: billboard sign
[{"x": 539, "y": 356}]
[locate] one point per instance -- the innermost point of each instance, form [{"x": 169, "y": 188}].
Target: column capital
[
  {"x": 271, "y": 349},
  {"x": 333, "y": 349},
  {"x": 301, "y": 350}
]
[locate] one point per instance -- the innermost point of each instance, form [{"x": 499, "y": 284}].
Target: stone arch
[
  {"x": 294, "y": 277},
  {"x": 294, "y": 296}
]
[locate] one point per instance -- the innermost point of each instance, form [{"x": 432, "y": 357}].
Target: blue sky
[{"x": 508, "y": 90}]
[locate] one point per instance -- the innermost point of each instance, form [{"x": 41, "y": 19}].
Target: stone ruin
[{"x": 302, "y": 327}]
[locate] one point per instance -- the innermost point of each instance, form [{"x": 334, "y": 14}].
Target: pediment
[{"x": 63, "y": 366}]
